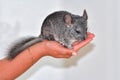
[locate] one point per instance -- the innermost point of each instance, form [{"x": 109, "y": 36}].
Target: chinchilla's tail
[{"x": 21, "y": 45}]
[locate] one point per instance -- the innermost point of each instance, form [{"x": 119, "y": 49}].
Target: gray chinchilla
[{"x": 61, "y": 26}]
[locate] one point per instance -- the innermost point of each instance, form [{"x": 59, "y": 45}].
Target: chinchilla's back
[{"x": 53, "y": 26}]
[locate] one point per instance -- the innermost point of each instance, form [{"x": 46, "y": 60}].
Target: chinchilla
[{"x": 61, "y": 26}]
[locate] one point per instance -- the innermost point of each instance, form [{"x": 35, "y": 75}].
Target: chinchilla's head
[{"x": 78, "y": 24}]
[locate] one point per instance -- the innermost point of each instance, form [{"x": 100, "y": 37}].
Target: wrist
[{"x": 38, "y": 50}]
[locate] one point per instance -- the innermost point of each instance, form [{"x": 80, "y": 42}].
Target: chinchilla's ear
[
  {"x": 68, "y": 19},
  {"x": 85, "y": 16}
]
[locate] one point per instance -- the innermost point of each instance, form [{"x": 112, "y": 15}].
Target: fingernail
[{"x": 74, "y": 53}]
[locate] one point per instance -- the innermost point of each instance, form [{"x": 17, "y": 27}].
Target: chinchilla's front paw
[{"x": 69, "y": 46}]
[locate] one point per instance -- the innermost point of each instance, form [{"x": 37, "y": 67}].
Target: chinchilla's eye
[{"x": 83, "y": 22}]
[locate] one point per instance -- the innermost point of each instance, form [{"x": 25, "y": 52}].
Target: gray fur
[{"x": 60, "y": 26}]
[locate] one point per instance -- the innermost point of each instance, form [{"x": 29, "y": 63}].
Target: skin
[{"x": 11, "y": 69}]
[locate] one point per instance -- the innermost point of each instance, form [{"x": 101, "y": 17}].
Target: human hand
[{"x": 57, "y": 50}]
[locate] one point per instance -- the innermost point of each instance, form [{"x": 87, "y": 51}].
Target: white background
[{"x": 99, "y": 60}]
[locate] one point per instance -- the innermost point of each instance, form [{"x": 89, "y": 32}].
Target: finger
[
  {"x": 74, "y": 53},
  {"x": 66, "y": 53},
  {"x": 90, "y": 35},
  {"x": 64, "y": 56}
]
